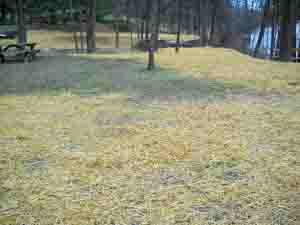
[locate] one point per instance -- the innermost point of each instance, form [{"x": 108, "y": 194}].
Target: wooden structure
[{"x": 18, "y": 52}]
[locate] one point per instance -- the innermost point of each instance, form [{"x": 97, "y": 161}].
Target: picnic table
[{"x": 25, "y": 52}]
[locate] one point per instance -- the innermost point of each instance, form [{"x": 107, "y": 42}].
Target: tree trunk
[
  {"x": 81, "y": 32},
  {"x": 157, "y": 24},
  {"x": 204, "y": 22},
  {"x": 142, "y": 30},
  {"x": 3, "y": 12},
  {"x": 129, "y": 22},
  {"x": 75, "y": 38},
  {"x": 117, "y": 32},
  {"x": 278, "y": 21},
  {"x": 274, "y": 25},
  {"x": 262, "y": 27},
  {"x": 131, "y": 39},
  {"x": 127, "y": 4},
  {"x": 74, "y": 27},
  {"x": 213, "y": 21},
  {"x": 179, "y": 21},
  {"x": 293, "y": 25},
  {"x": 191, "y": 22},
  {"x": 151, "y": 60},
  {"x": 22, "y": 34},
  {"x": 91, "y": 25},
  {"x": 148, "y": 18},
  {"x": 285, "y": 30},
  {"x": 199, "y": 16},
  {"x": 137, "y": 24},
  {"x": 71, "y": 9}
]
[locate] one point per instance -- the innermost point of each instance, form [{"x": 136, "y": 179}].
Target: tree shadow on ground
[{"x": 87, "y": 76}]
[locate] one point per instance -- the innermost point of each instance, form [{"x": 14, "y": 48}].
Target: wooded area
[{"x": 221, "y": 23}]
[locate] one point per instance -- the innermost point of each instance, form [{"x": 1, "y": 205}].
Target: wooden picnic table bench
[{"x": 25, "y": 52}]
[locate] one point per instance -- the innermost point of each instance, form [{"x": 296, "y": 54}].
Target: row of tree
[
  {"x": 21, "y": 8},
  {"x": 282, "y": 16},
  {"x": 226, "y": 23}
]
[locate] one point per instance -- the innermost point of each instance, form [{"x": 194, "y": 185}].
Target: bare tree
[
  {"x": 179, "y": 21},
  {"x": 81, "y": 31},
  {"x": 204, "y": 22},
  {"x": 74, "y": 28},
  {"x": 148, "y": 18},
  {"x": 91, "y": 26},
  {"x": 286, "y": 27},
  {"x": 22, "y": 34},
  {"x": 117, "y": 33},
  {"x": 157, "y": 23},
  {"x": 151, "y": 59},
  {"x": 213, "y": 20}
]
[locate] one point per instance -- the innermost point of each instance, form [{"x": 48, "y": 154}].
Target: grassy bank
[{"x": 211, "y": 137}]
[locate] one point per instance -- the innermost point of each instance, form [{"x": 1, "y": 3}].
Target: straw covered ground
[{"x": 209, "y": 137}]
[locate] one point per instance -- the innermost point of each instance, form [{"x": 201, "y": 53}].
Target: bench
[{"x": 25, "y": 52}]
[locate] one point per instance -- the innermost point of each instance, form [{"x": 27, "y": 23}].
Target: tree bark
[
  {"x": 91, "y": 26},
  {"x": 22, "y": 34}
]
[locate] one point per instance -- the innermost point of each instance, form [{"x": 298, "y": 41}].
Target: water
[{"x": 267, "y": 39}]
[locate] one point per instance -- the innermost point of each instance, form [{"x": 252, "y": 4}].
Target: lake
[{"x": 266, "y": 43}]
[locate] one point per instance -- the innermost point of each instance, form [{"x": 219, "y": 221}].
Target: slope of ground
[{"x": 211, "y": 137}]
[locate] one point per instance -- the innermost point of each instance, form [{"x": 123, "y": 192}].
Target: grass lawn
[{"x": 210, "y": 137}]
